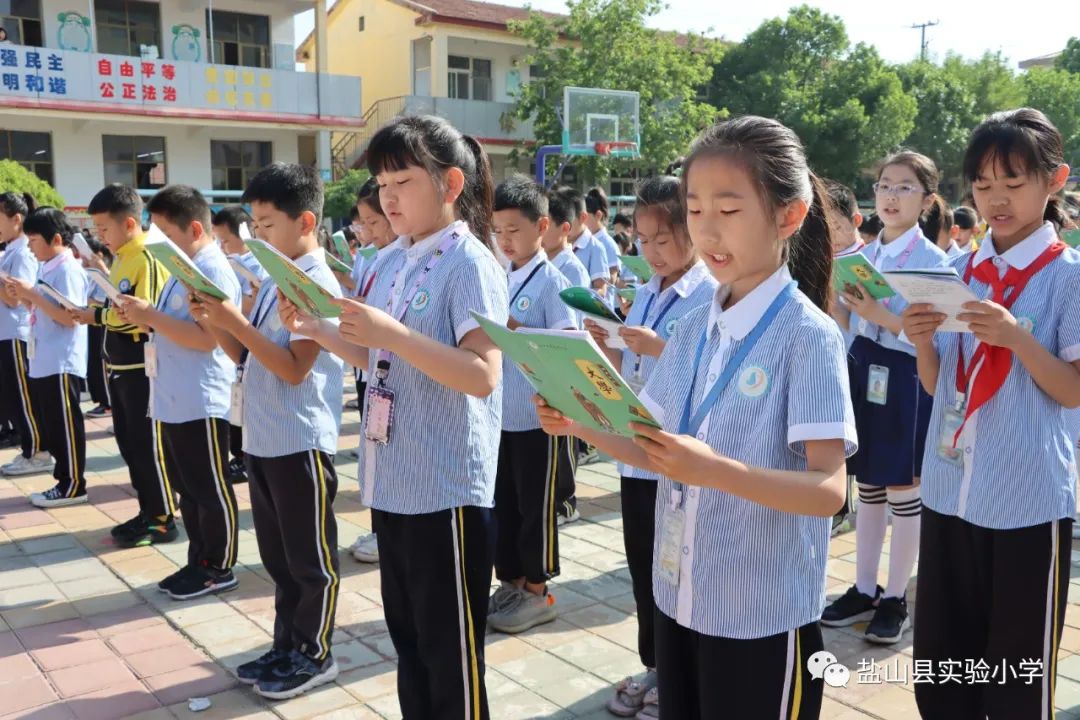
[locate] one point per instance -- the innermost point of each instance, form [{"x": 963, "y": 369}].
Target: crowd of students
[{"x": 771, "y": 387}]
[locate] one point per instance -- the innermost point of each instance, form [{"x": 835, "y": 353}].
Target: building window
[
  {"x": 623, "y": 186},
  {"x": 124, "y": 26},
  {"x": 21, "y": 20},
  {"x": 32, "y": 150},
  {"x": 239, "y": 38},
  {"x": 234, "y": 162},
  {"x": 135, "y": 161},
  {"x": 538, "y": 72},
  {"x": 361, "y": 23},
  {"x": 469, "y": 78}
]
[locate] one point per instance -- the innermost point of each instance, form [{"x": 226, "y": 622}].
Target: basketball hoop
[{"x": 614, "y": 147}]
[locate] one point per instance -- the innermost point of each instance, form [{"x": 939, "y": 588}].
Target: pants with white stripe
[
  {"x": 15, "y": 392},
  {"x": 139, "y": 443},
  {"x": 528, "y": 540},
  {"x": 97, "y": 383},
  {"x": 703, "y": 677},
  {"x": 63, "y": 435},
  {"x": 435, "y": 570},
  {"x": 566, "y": 493},
  {"x": 292, "y": 499},
  {"x": 996, "y": 597},
  {"x": 197, "y": 459}
]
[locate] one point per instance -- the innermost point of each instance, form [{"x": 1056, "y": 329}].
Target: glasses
[{"x": 897, "y": 190}]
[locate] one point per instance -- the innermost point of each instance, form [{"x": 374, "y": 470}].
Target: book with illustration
[{"x": 306, "y": 294}]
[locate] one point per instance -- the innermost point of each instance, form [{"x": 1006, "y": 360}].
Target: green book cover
[
  {"x": 367, "y": 252},
  {"x": 302, "y": 291},
  {"x": 341, "y": 245},
  {"x": 336, "y": 265},
  {"x": 628, "y": 293},
  {"x": 588, "y": 302},
  {"x": 179, "y": 265},
  {"x": 1072, "y": 237},
  {"x": 851, "y": 270},
  {"x": 638, "y": 265},
  {"x": 567, "y": 369}
]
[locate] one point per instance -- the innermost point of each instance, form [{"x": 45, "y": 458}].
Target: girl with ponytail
[
  {"x": 751, "y": 393},
  {"x": 433, "y": 408}
]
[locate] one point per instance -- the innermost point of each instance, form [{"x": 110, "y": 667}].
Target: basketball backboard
[{"x": 600, "y": 122}]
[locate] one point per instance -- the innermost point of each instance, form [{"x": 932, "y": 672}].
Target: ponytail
[
  {"x": 1056, "y": 214},
  {"x": 31, "y": 205},
  {"x": 810, "y": 254},
  {"x": 477, "y": 200}
]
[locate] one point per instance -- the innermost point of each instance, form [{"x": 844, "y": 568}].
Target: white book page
[{"x": 947, "y": 294}]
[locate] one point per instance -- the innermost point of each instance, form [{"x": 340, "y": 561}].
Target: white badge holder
[
  {"x": 671, "y": 541},
  {"x": 877, "y": 385},
  {"x": 150, "y": 358},
  {"x": 952, "y": 419},
  {"x": 236, "y": 399},
  {"x": 31, "y": 348}
]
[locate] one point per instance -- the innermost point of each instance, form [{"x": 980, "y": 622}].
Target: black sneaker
[
  {"x": 850, "y": 608},
  {"x": 890, "y": 621},
  {"x": 250, "y": 672},
  {"x": 152, "y": 533},
  {"x": 237, "y": 472},
  {"x": 99, "y": 412},
  {"x": 168, "y": 582},
  {"x": 126, "y": 528},
  {"x": 9, "y": 440},
  {"x": 202, "y": 581},
  {"x": 296, "y": 676}
]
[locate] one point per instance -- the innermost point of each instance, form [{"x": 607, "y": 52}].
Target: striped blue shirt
[
  {"x": 377, "y": 263},
  {"x": 19, "y": 262},
  {"x": 534, "y": 305},
  {"x": 443, "y": 447},
  {"x": 1019, "y": 460},
  {"x": 611, "y": 248},
  {"x": 192, "y": 384},
  {"x": 592, "y": 255},
  {"x": 283, "y": 419},
  {"x": 248, "y": 260},
  {"x": 59, "y": 349},
  {"x": 889, "y": 257},
  {"x": 694, "y": 289},
  {"x": 568, "y": 264},
  {"x": 749, "y": 571}
]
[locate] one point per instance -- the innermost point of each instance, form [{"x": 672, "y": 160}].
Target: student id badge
[
  {"x": 636, "y": 383},
  {"x": 877, "y": 387},
  {"x": 379, "y": 414},
  {"x": 150, "y": 359},
  {"x": 236, "y": 403},
  {"x": 671, "y": 542},
  {"x": 951, "y": 422},
  {"x": 31, "y": 348}
]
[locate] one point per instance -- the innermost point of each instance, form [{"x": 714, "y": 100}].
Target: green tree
[
  {"x": 846, "y": 104},
  {"x": 1069, "y": 59},
  {"x": 991, "y": 80},
  {"x": 340, "y": 195},
  {"x": 15, "y": 178},
  {"x": 605, "y": 44},
  {"x": 1055, "y": 92}
]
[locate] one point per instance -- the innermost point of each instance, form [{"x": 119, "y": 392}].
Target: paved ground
[{"x": 85, "y": 634}]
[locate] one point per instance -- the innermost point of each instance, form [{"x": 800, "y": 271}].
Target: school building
[{"x": 203, "y": 92}]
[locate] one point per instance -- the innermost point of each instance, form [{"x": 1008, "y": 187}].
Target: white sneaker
[
  {"x": 40, "y": 463},
  {"x": 53, "y": 497},
  {"x": 572, "y": 517},
  {"x": 365, "y": 549}
]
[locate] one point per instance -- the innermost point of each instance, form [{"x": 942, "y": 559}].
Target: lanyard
[
  {"x": 655, "y": 324},
  {"x": 452, "y": 235},
  {"x": 689, "y": 424},
  {"x": 368, "y": 284},
  {"x": 904, "y": 256},
  {"x": 527, "y": 279},
  {"x": 257, "y": 316}
]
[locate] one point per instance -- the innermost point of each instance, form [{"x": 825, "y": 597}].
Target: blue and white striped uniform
[
  {"x": 443, "y": 447},
  {"x": 592, "y": 255},
  {"x": 534, "y": 305},
  {"x": 1019, "y": 462},
  {"x": 569, "y": 265},
  {"x": 279, "y": 418},
  {"x": 359, "y": 266},
  {"x": 887, "y": 257},
  {"x": 248, "y": 261},
  {"x": 611, "y": 248},
  {"x": 58, "y": 349},
  {"x": 748, "y": 571},
  {"x": 694, "y": 289},
  {"x": 19, "y": 262},
  {"x": 375, "y": 265},
  {"x": 192, "y": 384}
]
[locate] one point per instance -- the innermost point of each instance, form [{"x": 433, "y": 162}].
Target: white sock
[
  {"x": 870, "y": 522},
  {"x": 906, "y": 509}
]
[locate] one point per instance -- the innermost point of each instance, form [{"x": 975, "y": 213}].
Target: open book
[
  {"x": 638, "y": 265},
  {"x": 242, "y": 271},
  {"x": 341, "y": 246},
  {"x": 310, "y": 297},
  {"x": 1071, "y": 238},
  {"x": 56, "y": 296},
  {"x": 569, "y": 371},
  {"x": 99, "y": 278},
  {"x": 589, "y": 303},
  {"x": 81, "y": 245},
  {"x": 180, "y": 265},
  {"x": 851, "y": 270},
  {"x": 941, "y": 287},
  {"x": 337, "y": 265}
]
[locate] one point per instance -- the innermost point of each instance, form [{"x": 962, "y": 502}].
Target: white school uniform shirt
[
  {"x": 443, "y": 447},
  {"x": 248, "y": 261},
  {"x": 592, "y": 255},
  {"x": 535, "y": 303},
  {"x": 18, "y": 262},
  {"x": 279, "y": 418},
  {"x": 569, "y": 265},
  {"x": 611, "y": 248},
  {"x": 192, "y": 384},
  {"x": 888, "y": 257},
  {"x": 59, "y": 349},
  {"x": 748, "y": 571},
  {"x": 1019, "y": 461},
  {"x": 694, "y": 289}
]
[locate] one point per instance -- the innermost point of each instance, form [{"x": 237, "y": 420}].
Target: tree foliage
[
  {"x": 340, "y": 195},
  {"x": 15, "y": 178}
]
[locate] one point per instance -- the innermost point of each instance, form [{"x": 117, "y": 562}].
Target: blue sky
[{"x": 968, "y": 27}]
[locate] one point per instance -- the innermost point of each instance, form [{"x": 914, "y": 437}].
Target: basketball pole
[{"x": 542, "y": 155}]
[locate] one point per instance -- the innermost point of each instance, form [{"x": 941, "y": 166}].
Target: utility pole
[{"x": 921, "y": 27}]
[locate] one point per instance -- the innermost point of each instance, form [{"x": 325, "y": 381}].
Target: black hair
[
  {"x": 574, "y": 197},
  {"x": 118, "y": 201},
  {"x": 626, "y": 246},
  {"x": 775, "y": 158},
  {"x": 290, "y": 187},
  {"x": 560, "y": 208},
  {"x": 871, "y": 225},
  {"x": 924, "y": 168},
  {"x": 48, "y": 222},
  {"x": 369, "y": 195},
  {"x": 232, "y": 217},
  {"x": 181, "y": 205},
  {"x": 354, "y": 213},
  {"x": 436, "y": 146},
  {"x": 349, "y": 234},
  {"x": 12, "y": 204},
  {"x": 965, "y": 218},
  {"x": 524, "y": 194},
  {"x": 935, "y": 219},
  {"x": 842, "y": 197},
  {"x": 622, "y": 219},
  {"x": 1025, "y": 142},
  {"x": 97, "y": 247},
  {"x": 596, "y": 201},
  {"x": 663, "y": 194}
]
